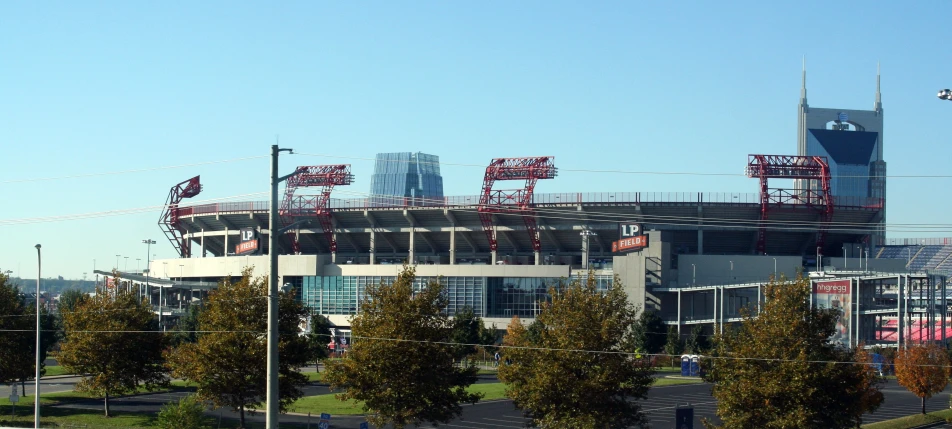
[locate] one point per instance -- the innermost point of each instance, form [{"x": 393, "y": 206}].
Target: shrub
[{"x": 187, "y": 413}]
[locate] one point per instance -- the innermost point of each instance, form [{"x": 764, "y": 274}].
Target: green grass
[
  {"x": 329, "y": 404},
  {"x": 675, "y": 381},
  {"x": 668, "y": 369},
  {"x": 54, "y": 370},
  {"x": 313, "y": 376},
  {"x": 911, "y": 421}
]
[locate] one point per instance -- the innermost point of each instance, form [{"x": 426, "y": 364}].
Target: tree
[
  {"x": 923, "y": 369},
  {"x": 697, "y": 341},
  {"x": 780, "y": 369},
  {"x": 229, "y": 362},
  {"x": 649, "y": 332},
  {"x": 469, "y": 331},
  {"x": 319, "y": 336},
  {"x": 399, "y": 366},
  {"x": 113, "y": 336},
  {"x": 673, "y": 346},
  {"x": 578, "y": 370},
  {"x": 69, "y": 299},
  {"x": 16, "y": 333},
  {"x": 186, "y": 327}
]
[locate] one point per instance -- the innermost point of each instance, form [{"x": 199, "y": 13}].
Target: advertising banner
[
  {"x": 835, "y": 294},
  {"x": 626, "y": 245},
  {"x": 249, "y": 242}
]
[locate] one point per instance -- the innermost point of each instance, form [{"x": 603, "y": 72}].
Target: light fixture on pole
[
  {"x": 117, "y": 262},
  {"x": 271, "y": 415},
  {"x": 945, "y": 94},
  {"x": 126, "y": 266},
  {"x": 36, "y": 388}
]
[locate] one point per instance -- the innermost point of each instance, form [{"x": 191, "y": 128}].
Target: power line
[{"x": 137, "y": 170}]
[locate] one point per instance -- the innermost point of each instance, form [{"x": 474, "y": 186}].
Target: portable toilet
[
  {"x": 695, "y": 366},
  {"x": 685, "y": 365}
]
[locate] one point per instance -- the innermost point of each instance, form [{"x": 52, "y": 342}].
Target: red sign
[
  {"x": 637, "y": 242},
  {"x": 246, "y": 247}
]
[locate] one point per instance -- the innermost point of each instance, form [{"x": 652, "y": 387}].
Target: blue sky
[{"x": 96, "y": 87}]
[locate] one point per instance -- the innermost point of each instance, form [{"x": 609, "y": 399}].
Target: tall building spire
[
  {"x": 803, "y": 83},
  {"x": 879, "y": 96}
]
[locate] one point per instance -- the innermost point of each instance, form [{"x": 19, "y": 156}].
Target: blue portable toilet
[
  {"x": 878, "y": 362},
  {"x": 695, "y": 366},
  {"x": 685, "y": 365}
]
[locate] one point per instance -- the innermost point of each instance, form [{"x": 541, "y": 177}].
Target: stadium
[{"x": 696, "y": 258}]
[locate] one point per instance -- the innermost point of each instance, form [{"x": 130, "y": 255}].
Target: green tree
[
  {"x": 399, "y": 367},
  {"x": 319, "y": 336},
  {"x": 69, "y": 299},
  {"x": 780, "y": 370},
  {"x": 578, "y": 371},
  {"x": 673, "y": 346},
  {"x": 923, "y": 369},
  {"x": 17, "y": 334},
  {"x": 113, "y": 336},
  {"x": 649, "y": 332},
  {"x": 697, "y": 341},
  {"x": 186, "y": 327},
  {"x": 469, "y": 331},
  {"x": 187, "y": 413},
  {"x": 229, "y": 362}
]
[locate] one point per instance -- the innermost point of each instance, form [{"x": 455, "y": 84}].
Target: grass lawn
[
  {"x": 53, "y": 370},
  {"x": 675, "y": 381},
  {"x": 911, "y": 421},
  {"x": 313, "y": 376},
  {"x": 328, "y": 404}
]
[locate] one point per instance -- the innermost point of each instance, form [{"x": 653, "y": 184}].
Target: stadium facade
[{"x": 696, "y": 258}]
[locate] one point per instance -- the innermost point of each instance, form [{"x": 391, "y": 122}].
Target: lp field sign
[{"x": 631, "y": 238}]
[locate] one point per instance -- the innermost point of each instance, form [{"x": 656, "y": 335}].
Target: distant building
[
  {"x": 852, "y": 142},
  {"x": 406, "y": 178}
]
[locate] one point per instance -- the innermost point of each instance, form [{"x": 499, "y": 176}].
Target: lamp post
[
  {"x": 126, "y": 266},
  {"x": 945, "y": 94},
  {"x": 117, "y": 262},
  {"x": 271, "y": 415},
  {"x": 36, "y": 379},
  {"x": 148, "y": 245},
  {"x": 165, "y": 270}
]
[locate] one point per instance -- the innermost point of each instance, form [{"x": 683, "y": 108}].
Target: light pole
[
  {"x": 117, "y": 262},
  {"x": 165, "y": 270},
  {"x": 844, "y": 256},
  {"x": 271, "y": 416},
  {"x": 36, "y": 387},
  {"x": 126, "y": 266},
  {"x": 148, "y": 245},
  {"x": 945, "y": 94},
  {"x": 137, "y": 264},
  {"x": 775, "y": 268}
]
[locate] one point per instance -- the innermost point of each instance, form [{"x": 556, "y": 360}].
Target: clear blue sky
[{"x": 661, "y": 86}]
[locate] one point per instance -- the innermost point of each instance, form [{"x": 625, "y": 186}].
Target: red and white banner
[{"x": 624, "y": 245}]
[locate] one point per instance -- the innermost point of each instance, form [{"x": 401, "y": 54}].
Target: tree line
[{"x": 586, "y": 360}]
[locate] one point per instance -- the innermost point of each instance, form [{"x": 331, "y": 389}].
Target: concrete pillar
[
  {"x": 412, "y": 257},
  {"x": 204, "y": 250},
  {"x": 492, "y": 258},
  {"x": 453, "y": 245},
  {"x": 333, "y": 253},
  {"x": 679, "y": 313},
  {"x": 584, "y": 250},
  {"x": 226, "y": 244},
  {"x": 538, "y": 257},
  {"x": 373, "y": 247}
]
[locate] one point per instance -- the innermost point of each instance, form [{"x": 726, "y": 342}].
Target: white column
[
  {"x": 373, "y": 247},
  {"x": 226, "y": 245},
  {"x": 453, "y": 245},
  {"x": 412, "y": 255}
]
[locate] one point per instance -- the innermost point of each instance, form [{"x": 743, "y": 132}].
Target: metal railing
[{"x": 553, "y": 199}]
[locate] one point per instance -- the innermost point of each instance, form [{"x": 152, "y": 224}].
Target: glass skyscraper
[{"x": 406, "y": 178}]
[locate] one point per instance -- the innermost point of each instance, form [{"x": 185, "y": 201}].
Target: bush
[{"x": 187, "y": 413}]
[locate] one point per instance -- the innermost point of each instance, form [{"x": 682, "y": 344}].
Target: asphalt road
[{"x": 659, "y": 406}]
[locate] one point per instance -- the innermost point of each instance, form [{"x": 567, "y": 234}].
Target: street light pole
[
  {"x": 271, "y": 416},
  {"x": 148, "y": 268},
  {"x": 36, "y": 379},
  {"x": 117, "y": 262}
]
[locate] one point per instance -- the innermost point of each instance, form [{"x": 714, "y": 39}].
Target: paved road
[{"x": 659, "y": 406}]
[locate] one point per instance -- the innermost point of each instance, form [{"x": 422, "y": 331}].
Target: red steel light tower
[
  {"x": 169, "y": 221},
  {"x": 517, "y": 201},
  {"x": 814, "y": 192},
  {"x": 325, "y": 176}
]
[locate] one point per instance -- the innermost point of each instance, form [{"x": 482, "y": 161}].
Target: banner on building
[
  {"x": 249, "y": 242},
  {"x": 630, "y": 244},
  {"x": 836, "y": 294}
]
